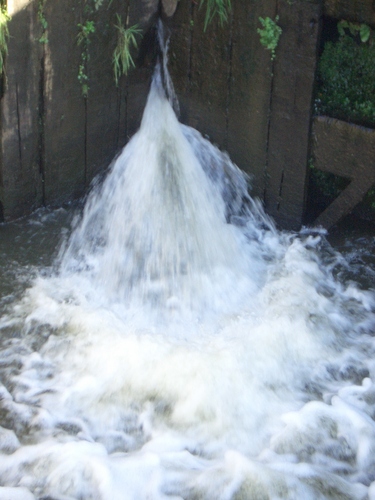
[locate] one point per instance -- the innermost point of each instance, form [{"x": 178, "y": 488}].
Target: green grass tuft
[
  {"x": 220, "y": 8},
  {"x": 126, "y": 40}
]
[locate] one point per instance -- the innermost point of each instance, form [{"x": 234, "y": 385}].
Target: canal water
[{"x": 165, "y": 341}]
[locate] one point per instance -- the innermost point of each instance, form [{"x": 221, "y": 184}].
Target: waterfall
[
  {"x": 181, "y": 346},
  {"x": 160, "y": 230}
]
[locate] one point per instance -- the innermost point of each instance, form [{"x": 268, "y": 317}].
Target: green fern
[{"x": 126, "y": 40}]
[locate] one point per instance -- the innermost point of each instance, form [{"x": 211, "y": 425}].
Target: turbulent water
[{"x": 178, "y": 346}]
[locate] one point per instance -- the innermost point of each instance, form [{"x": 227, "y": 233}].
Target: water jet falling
[{"x": 184, "y": 348}]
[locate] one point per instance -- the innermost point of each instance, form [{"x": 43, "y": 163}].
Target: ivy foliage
[
  {"x": 83, "y": 38},
  {"x": 43, "y": 22},
  {"x": 270, "y": 34},
  {"x": 346, "y": 76}
]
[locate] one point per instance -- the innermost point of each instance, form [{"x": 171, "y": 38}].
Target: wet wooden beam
[
  {"x": 20, "y": 176},
  {"x": 249, "y": 92},
  {"x": 64, "y": 119},
  {"x": 209, "y": 68},
  {"x": 137, "y": 84},
  {"x": 361, "y": 11},
  {"x": 106, "y": 111},
  {"x": 182, "y": 31},
  {"x": 345, "y": 150},
  {"x": 290, "y": 116}
]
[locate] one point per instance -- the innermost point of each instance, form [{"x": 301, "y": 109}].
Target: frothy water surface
[{"x": 179, "y": 347}]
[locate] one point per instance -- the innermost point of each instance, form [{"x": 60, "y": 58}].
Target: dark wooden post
[
  {"x": 361, "y": 11},
  {"x": 345, "y": 150},
  {"x": 290, "y": 117},
  {"x": 249, "y": 90},
  {"x": 223, "y": 80},
  {"x": 64, "y": 117},
  {"x": 20, "y": 176}
]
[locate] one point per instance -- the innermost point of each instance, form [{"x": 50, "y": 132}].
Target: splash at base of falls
[
  {"x": 157, "y": 233},
  {"x": 184, "y": 348}
]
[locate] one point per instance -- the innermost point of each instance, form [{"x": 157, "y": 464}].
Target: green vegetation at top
[
  {"x": 346, "y": 75},
  {"x": 83, "y": 38},
  {"x": 4, "y": 35},
  {"x": 43, "y": 21},
  {"x": 220, "y": 8},
  {"x": 270, "y": 34},
  {"x": 363, "y": 30}
]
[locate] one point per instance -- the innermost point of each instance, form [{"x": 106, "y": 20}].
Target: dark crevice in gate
[
  {"x": 120, "y": 115},
  {"x": 124, "y": 93},
  {"x": 229, "y": 78},
  {"x": 280, "y": 190},
  {"x": 191, "y": 39},
  {"x": 269, "y": 118},
  {"x": 85, "y": 167},
  {"x": 18, "y": 126},
  {"x": 41, "y": 126}
]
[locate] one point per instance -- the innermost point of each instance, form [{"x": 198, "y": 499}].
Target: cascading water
[{"x": 184, "y": 348}]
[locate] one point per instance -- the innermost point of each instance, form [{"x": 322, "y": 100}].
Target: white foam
[{"x": 177, "y": 355}]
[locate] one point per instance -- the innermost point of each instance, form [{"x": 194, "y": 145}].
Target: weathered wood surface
[
  {"x": 105, "y": 127},
  {"x": 290, "y": 115},
  {"x": 53, "y": 139},
  {"x": 201, "y": 81},
  {"x": 362, "y": 11},
  {"x": 64, "y": 106},
  {"x": 249, "y": 92},
  {"x": 223, "y": 80},
  {"x": 345, "y": 150},
  {"x": 226, "y": 86},
  {"x": 21, "y": 181}
]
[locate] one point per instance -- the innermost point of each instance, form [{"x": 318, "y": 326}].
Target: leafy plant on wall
[
  {"x": 219, "y": 8},
  {"x": 363, "y": 30},
  {"x": 270, "y": 34},
  {"x": 85, "y": 31},
  {"x": 43, "y": 22},
  {"x": 4, "y": 35},
  {"x": 83, "y": 38},
  {"x": 346, "y": 75},
  {"x": 126, "y": 40},
  {"x": 122, "y": 59}
]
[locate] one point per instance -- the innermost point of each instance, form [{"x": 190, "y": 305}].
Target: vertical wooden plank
[
  {"x": 104, "y": 99},
  {"x": 361, "y": 11},
  {"x": 64, "y": 118},
  {"x": 20, "y": 180},
  {"x": 137, "y": 84},
  {"x": 346, "y": 150},
  {"x": 290, "y": 119},
  {"x": 199, "y": 62},
  {"x": 209, "y": 77},
  {"x": 181, "y": 27},
  {"x": 249, "y": 91}
]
